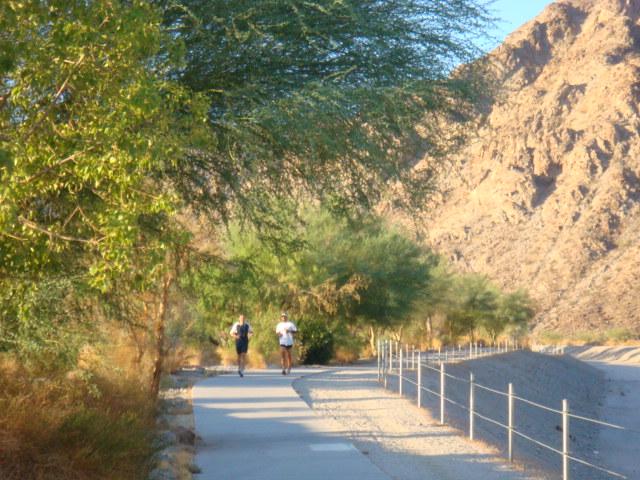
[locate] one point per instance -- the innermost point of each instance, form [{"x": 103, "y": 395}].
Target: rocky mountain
[{"x": 547, "y": 195}]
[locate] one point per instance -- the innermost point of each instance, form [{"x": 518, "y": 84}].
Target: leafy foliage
[
  {"x": 364, "y": 273},
  {"x": 321, "y": 98},
  {"x": 316, "y": 342}
]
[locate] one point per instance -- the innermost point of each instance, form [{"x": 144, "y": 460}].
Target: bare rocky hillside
[{"x": 547, "y": 197}]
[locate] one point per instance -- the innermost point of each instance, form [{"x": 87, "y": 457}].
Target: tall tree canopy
[
  {"x": 321, "y": 98},
  {"x": 116, "y": 115}
]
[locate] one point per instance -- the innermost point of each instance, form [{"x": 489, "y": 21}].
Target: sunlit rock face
[{"x": 547, "y": 195}]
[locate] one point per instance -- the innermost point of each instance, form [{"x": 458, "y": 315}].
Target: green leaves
[
  {"x": 89, "y": 125},
  {"x": 88, "y": 129},
  {"x": 321, "y": 98}
]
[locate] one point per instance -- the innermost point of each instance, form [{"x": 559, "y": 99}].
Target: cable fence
[{"x": 438, "y": 380}]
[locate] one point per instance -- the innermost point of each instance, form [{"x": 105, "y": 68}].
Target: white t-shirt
[{"x": 285, "y": 330}]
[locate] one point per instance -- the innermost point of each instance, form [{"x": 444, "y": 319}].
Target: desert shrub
[
  {"x": 316, "y": 342},
  {"x": 550, "y": 338},
  {"x": 619, "y": 335},
  {"x": 588, "y": 337}
]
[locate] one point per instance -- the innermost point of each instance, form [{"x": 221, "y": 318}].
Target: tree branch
[
  {"x": 62, "y": 88},
  {"x": 48, "y": 169},
  {"x": 67, "y": 238}
]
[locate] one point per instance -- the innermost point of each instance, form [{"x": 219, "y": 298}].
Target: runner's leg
[
  {"x": 283, "y": 359},
  {"x": 289, "y": 360}
]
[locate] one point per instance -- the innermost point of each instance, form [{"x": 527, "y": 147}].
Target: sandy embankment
[
  {"x": 618, "y": 449},
  {"x": 407, "y": 443}
]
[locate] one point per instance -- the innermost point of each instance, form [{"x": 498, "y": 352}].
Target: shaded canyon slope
[{"x": 547, "y": 195}]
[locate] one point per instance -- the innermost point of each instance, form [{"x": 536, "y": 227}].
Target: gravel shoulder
[{"x": 405, "y": 442}]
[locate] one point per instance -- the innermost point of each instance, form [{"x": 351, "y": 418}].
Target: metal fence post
[
  {"x": 378, "y": 357},
  {"x": 400, "y": 373},
  {"x": 385, "y": 368},
  {"x": 413, "y": 357},
  {"x": 510, "y": 422},
  {"x": 391, "y": 357},
  {"x": 565, "y": 439},
  {"x": 471, "y": 405},
  {"x": 406, "y": 360},
  {"x": 442, "y": 390},
  {"x": 419, "y": 379}
]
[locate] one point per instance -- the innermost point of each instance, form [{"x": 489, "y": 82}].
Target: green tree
[
  {"x": 321, "y": 98},
  {"x": 351, "y": 276},
  {"x": 89, "y": 123},
  {"x": 473, "y": 305},
  {"x": 515, "y": 309},
  {"x": 436, "y": 299}
]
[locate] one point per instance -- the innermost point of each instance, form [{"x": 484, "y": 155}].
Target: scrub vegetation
[{"x": 345, "y": 283}]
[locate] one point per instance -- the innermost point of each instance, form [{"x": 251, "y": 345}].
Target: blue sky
[{"x": 514, "y": 13}]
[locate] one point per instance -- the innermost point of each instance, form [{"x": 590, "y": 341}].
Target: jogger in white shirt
[{"x": 285, "y": 330}]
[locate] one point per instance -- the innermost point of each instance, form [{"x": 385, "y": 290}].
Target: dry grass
[
  {"x": 345, "y": 355},
  {"x": 94, "y": 422},
  {"x": 191, "y": 356},
  {"x": 229, "y": 358}
]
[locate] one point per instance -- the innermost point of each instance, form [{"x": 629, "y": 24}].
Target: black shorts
[
  {"x": 287, "y": 347},
  {"x": 242, "y": 346}
]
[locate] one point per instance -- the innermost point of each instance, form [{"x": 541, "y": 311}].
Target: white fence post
[
  {"x": 471, "y": 405},
  {"x": 510, "y": 426},
  {"x": 413, "y": 357},
  {"x": 385, "y": 369},
  {"x": 565, "y": 439},
  {"x": 391, "y": 354},
  {"x": 419, "y": 379},
  {"x": 442, "y": 390},
  {"x": 406, "y": 361},
  {"x": 378, "y": 357},
  {"x": 400, "y": 373}
]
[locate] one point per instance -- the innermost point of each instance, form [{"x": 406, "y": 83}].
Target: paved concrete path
[{"x": 257, "y": 427}]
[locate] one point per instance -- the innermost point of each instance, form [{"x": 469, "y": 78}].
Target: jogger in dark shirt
[{"x": 241, "y": 331}]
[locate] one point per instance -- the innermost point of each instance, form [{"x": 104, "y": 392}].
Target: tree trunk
[
  {"x": 372, "y": 340},
  {"x": 429, "y": 328},
  {"x": 159, "y": 331}
]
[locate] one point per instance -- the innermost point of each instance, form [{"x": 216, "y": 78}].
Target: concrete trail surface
[{"x": 257, "y": 427}]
